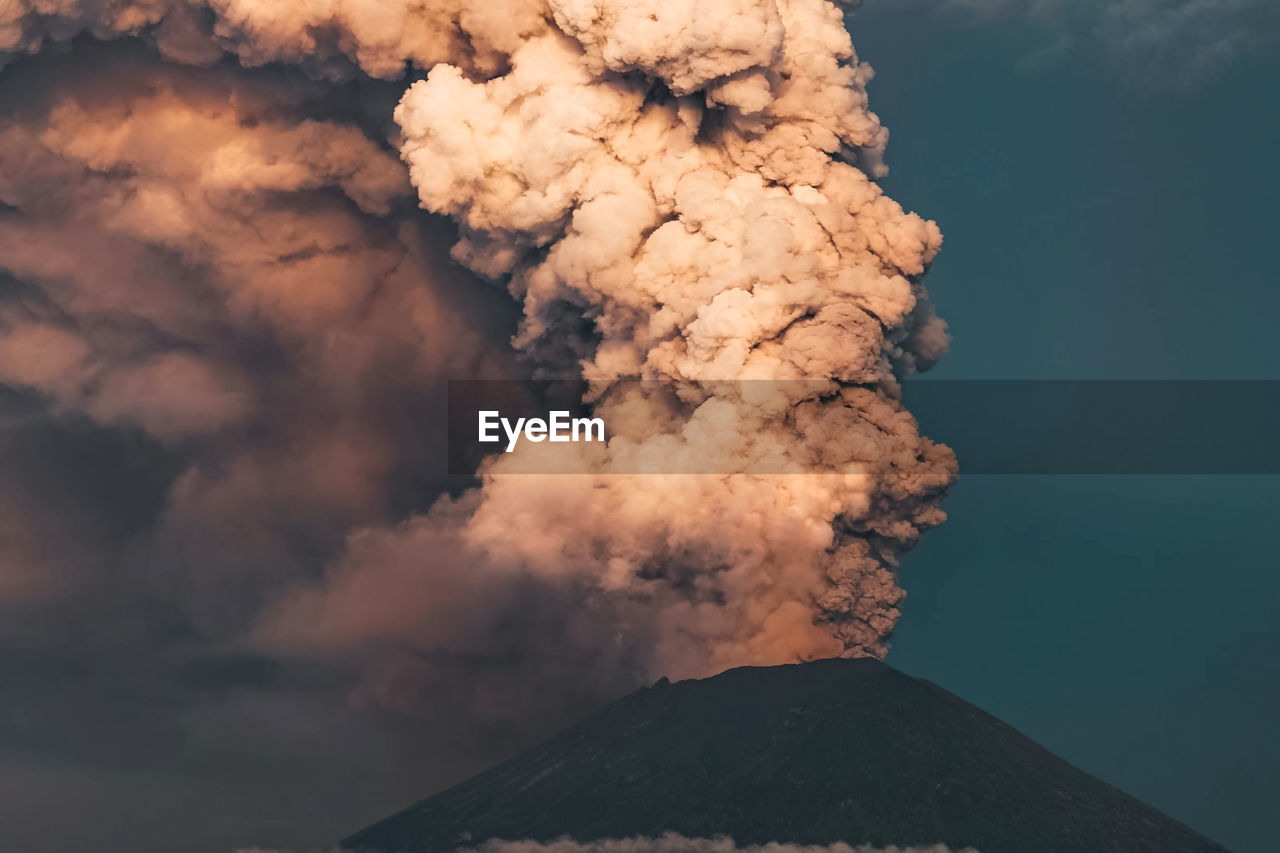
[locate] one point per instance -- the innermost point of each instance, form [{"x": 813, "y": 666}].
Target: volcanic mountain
[{"x": 815, "y": 753}]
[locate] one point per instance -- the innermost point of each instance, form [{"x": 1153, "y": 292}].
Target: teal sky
[{"x": 1109, "y": 207}]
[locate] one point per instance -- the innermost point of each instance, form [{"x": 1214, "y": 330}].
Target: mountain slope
[{"x": 834, "y": 750}]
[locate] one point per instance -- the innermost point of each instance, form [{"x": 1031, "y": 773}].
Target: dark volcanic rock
[{"x": 835, "y": 750}]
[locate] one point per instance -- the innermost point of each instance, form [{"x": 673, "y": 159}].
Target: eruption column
[{"x": 682, "y": 193}]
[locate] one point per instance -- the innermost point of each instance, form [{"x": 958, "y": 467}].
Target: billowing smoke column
[
  {"x": 673, "y": 192},
  {"x": 676, "y": 191}
]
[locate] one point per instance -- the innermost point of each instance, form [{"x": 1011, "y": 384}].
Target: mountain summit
[{"x": 815, "y": 753}]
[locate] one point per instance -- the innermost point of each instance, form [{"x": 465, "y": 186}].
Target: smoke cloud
[
  {"x": 681, "y": 193},
  {"x": 673, "y": 196},
  {"x": 225, "y": 321},
  {"x": 199, "y": 261}
]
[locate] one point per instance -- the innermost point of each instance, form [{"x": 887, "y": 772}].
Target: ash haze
[{"x": 244, "y": 243}]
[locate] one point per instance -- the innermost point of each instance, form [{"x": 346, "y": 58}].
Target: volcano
[{"x": 814, "y": 753}]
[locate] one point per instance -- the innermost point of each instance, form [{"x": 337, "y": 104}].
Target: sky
[
  {"x": 1103, "y": 176},
  {"x": 1098, "y": 227}
]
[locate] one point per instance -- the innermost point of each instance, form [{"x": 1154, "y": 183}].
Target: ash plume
[
  {"x": 696, "y": 182},
  {"x": 215, "y": 251}
]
